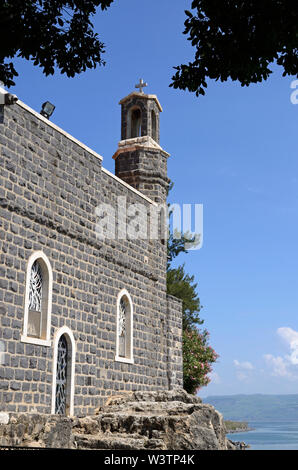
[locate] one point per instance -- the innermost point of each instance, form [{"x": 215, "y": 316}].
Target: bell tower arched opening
[
  {"x": 135, "y": 123},
  {"x": 153, "y": 125}
]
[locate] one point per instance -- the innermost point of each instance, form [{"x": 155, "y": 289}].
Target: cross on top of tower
[{"x": 141, "y": 85}]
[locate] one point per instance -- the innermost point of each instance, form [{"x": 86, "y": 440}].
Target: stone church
[{"x": 82, "y": 317}]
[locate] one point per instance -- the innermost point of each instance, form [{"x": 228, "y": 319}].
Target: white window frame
[
  {"x": 130, "y": 359},
  {"x": 70, "y": 369},
  {"x": 47, "y": 293}
]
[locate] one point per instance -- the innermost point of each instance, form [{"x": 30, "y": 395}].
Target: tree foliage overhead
[
  {"x": 238, "y": 39},
  {"x": 235, "y": 39},
  {"x": 52, "y": 33}
]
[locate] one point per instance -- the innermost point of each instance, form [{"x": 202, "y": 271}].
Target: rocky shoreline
[
  {"x": 240, "y": 445},
  {"x": 236, "y": 426},
  {"x": 236, "y": 431}
]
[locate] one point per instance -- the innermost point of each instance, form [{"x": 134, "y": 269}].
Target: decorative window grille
[
  {"x": 61, "y": 377},
  {"x": 35, "y": 300},
  {"x": 122, "y": 327},
  {"x": 38, "y": 300},
  {"x": 35, "y": 288}
]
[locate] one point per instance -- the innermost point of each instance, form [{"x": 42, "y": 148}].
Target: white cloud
[
  {"x": 290, "y": 336},
  {"x": 285, "y": 366},
  {"x": 278, "y": 364},
  {"x": 243, "y": 369},
  {"x": 246, "y": 365}
]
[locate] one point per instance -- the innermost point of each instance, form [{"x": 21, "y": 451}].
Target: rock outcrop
[{"x": 172, "y": 420}]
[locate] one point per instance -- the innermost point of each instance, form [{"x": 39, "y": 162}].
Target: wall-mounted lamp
[{"x": 47, "y": 109}]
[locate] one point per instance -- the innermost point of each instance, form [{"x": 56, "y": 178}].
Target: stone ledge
[{"x": 138, "y": 143}]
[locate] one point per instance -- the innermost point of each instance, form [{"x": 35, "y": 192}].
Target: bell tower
[{"x": 139, "y": 159}]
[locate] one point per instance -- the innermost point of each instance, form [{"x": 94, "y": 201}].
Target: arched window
[
  {"x": 38, "y": 300},
  {"x": 153, "y": 125},
  {"x": 63, "y": 372},
  {"x": 124, "y": 338},
  {"x": 135, "y": 123}
]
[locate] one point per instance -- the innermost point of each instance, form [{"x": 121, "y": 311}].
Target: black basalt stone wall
[{"x": 50, "y": 188}]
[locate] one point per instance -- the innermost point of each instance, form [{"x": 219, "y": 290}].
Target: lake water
[{"x": 269, "y": 436}]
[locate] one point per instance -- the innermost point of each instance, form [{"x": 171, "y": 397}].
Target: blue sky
[{"x": 235, "y": 152}]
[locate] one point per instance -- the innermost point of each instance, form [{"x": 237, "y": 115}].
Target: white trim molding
[
  {"x": 128, "y": 359},
  {"x": 70, "y": 369},
  {"x": 44, "y": 338}
]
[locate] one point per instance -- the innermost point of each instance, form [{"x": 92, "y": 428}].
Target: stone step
[
  {"x": 128, "y": 423},
  {"x": 178, "y": 395},
  {"x": 116, "y": 442},
  {"x": 174, "y": 407}
]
